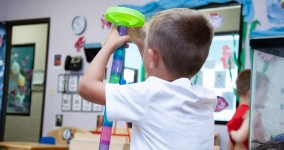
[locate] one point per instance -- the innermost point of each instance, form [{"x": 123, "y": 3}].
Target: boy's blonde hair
[{"x": 182, "y": 37}]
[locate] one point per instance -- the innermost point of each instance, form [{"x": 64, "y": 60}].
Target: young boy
[
  {"x": 238, "y": 126},
  {"x": 166, "y": 110}
]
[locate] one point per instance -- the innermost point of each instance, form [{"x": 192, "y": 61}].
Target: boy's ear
[{"x": 154, "y": 58}]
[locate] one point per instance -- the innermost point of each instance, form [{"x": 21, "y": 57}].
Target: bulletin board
[
  {"x": 219, "y": 73},
  {"x": 71, "y": 100},
  {"x": 220, "y": 70}
]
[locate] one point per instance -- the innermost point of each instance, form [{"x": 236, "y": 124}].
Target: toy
[{"x": 124, "y": 18}]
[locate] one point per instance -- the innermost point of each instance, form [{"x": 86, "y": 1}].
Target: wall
[
  {"x": 62, "y": 42},
  {"x": 260, "y": 14},
  {"x": 29, "y": 128}
]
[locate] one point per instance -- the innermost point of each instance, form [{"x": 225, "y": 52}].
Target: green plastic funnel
[{"x": 123, "y": 16}]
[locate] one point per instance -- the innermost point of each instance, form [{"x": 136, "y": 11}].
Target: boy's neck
[
  {"x": 161, "y": 72},
  {"x": 163, "y": 76},
  {"x": 244, "y": 100}
]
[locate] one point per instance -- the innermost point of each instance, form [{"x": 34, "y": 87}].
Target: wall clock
[
  {"x": 78, "y": 24},
  {"x": 67, "y": 134}
]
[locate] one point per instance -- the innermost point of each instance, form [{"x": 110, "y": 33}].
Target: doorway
[{"x": 25, "y": 76}]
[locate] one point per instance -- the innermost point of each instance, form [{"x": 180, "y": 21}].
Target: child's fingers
[
  {"x": 125, "y": 38},
  {"x": 115, "y": 39},
  {"x": 114, "y": 29}
]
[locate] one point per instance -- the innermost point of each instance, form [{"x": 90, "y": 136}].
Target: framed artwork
[
  {"x": 72, "y": 83},
  {"x": 86, "y": 106},
  {"x": 66, "y": 102},
  {"x": 58, "y": 120},
  {"x": 97, "y": 108},
  {"x": 20, "y": 79},
  {"x": 76, "y": 102},
  {"x": 220, "y": 78},
  {"x": 57, "y": 60},
  {"x": 62, "y": 83}
]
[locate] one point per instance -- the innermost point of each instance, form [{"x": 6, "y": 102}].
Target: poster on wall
[
  {"x": 66, "y": 102},
  {"x": 72, "y": 83},
  {"x": 57, "y": 60},
  {"x": 97, "y": 107},
  {"x": 76, "y": 102},
  {"x": 20, "y": 79},
  {"x": 87, "y": 106},
  {"x": 220, "y": 78},
  {"x": 62, "y": 83}
]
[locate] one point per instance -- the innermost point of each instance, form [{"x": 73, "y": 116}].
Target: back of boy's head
[
  {"x": 243, "y": 82},
  {"x": 182, "y": 37}
]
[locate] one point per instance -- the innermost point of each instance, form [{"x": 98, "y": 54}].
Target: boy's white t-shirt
[{"x": 165, "y": 115}]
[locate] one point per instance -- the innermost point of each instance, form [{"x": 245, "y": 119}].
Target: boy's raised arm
[{"x": 91, "y": 86}]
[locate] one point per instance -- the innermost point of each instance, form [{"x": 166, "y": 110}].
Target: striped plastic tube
[{"x": 116, "y": 72}]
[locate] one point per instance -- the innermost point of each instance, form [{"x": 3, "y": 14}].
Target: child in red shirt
[{"x": 238, "y": 126}]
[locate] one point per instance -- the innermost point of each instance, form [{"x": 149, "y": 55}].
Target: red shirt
[{"x": 237, "y": 120}]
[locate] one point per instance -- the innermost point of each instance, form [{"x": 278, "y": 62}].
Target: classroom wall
[{"x": 62, "y": 40}]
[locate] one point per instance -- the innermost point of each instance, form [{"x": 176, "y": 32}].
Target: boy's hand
[
  {"x": 114, "y": 40},
  {"x": 91, "y": 86},
  {"x": 137, "y": 36}
]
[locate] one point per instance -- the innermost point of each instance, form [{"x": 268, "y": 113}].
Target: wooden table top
[{"x": 30, "y": 146}]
